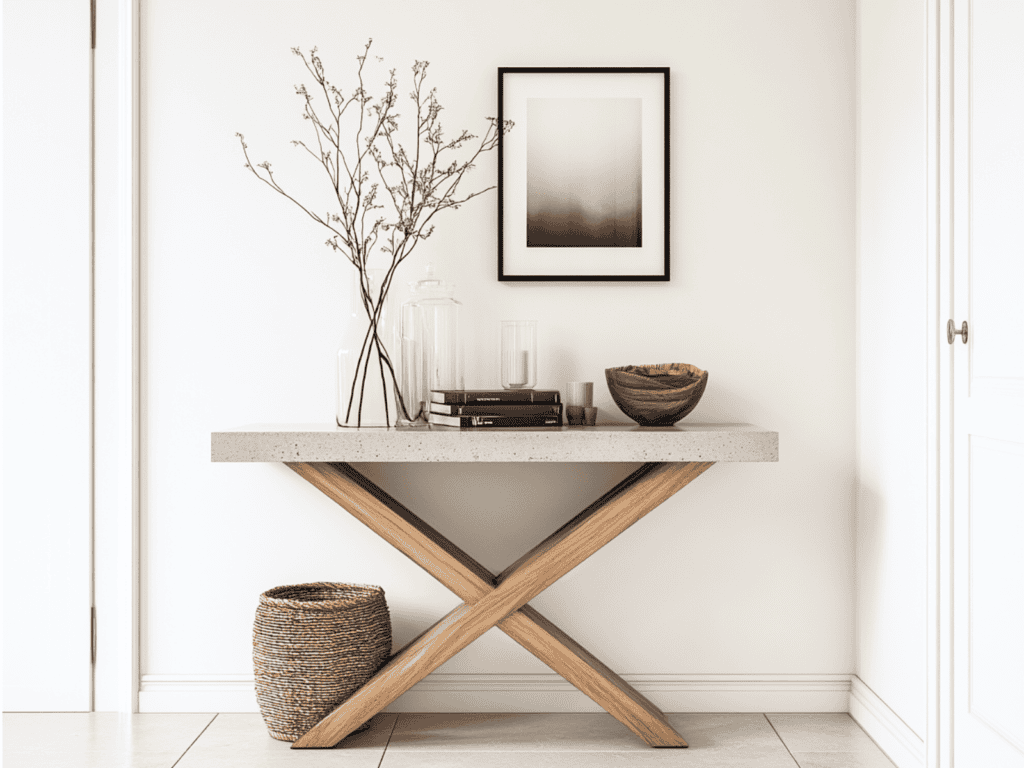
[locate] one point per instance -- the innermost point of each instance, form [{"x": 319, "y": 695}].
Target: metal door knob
[{"x": 952, "y": 330}]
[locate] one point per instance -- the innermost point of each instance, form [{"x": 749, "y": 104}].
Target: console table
[{"x": 671, "y": 457}]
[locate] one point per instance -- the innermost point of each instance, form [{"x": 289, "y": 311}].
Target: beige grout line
[
  {"x": 386, "y": 743},
  {"x": 195, "y": 740},
  {"x": 779, "y": 736}
]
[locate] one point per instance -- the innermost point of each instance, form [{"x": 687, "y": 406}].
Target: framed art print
[{"x": 583, "y": 175}]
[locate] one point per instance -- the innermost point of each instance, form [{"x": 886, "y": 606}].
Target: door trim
[
  {"x": 117, "y": 414},
  {"x": 128, "y": 356},
  {"x": 939, "y": 536}
]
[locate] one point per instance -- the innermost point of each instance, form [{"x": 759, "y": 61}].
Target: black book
[
  {"x": 488, "y": 420},
  {"x": 470, "y": 396},
  {"x": 497, "y": 409}
]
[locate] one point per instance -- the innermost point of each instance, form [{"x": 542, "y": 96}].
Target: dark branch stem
[{"x": 416, "y": 188}]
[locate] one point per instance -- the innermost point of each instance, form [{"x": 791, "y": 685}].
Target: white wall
[
  {"x": 47, "y": 450},
  {"x": 892, "y": 383},
  {"x": 748, "y": 573}
]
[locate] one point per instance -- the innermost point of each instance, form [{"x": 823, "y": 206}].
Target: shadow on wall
[
  {"x": 870, "y": 545},
  {"x": 496, "y": 512}
]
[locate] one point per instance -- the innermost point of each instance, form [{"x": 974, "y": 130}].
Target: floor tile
[
  {"x": 821, "y": 732},
  {"x": 497, "y": 732},
  {"x": 732, "y": 739},
  {"x": 540, "y": 740},
  {"x": 723, "y": 731},
  {"x": 241, "y": 740},
  {"x": 653, "y": 758},
  {"x": 98, "y": 739},
  {"x": 108, "y": 740},
  {"x": 862, "y": 759}
]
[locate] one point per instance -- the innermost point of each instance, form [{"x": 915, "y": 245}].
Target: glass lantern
[{"x": 432, "y": 345}]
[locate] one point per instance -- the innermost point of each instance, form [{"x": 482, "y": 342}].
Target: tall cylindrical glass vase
[
  {"x": 432, "y": 345},
  {"x": 367, "y": 372}
]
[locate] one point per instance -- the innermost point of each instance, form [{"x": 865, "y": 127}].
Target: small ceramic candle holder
[
  {"x": 579, "y": 393},
  {"x": 579, "y": 396}
]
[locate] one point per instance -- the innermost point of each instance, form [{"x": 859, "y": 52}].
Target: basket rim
[{"x": 360, "y": 594}]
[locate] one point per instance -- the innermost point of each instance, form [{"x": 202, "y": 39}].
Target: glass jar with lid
[{"x": 432, "y": 345}]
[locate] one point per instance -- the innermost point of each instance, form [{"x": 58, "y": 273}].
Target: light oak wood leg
[
  {"x": 499, "y": 600},
  {"x": 400, "y": 528},
  {"x": 585, "y": 671}
]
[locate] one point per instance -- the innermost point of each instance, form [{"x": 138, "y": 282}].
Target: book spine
[
  {"x": 516, "y": 421},
  {"x": 497, "y": 409},
  {"x": 470, "y": 422},
  {"x": 471, "y": 397}
]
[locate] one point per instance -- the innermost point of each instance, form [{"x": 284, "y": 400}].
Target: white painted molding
[
  {"x": 127, "y": 468},
  {"x": 939, "y": 724},
  {"x": 904, "y": 747},
  {"x": 530, "y": 693},
  {"x": 116, "y": 356},
  {"x": 197, "y": 693}
]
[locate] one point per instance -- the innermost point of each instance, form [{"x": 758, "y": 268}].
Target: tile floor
[{"x": 106, "y": 740}]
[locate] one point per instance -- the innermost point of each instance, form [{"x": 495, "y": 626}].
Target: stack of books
[{"x": 472, "y": 408}]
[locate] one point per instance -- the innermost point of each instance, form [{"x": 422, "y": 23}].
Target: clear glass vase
[
  {"x": 367, "y": 372},
  {"x": 518, "y": 354},
  {"x": 432, "y": 345}
]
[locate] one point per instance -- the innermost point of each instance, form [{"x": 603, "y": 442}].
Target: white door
[
  {"x": 46, "y": 356},
  {"x": 988, "y": 384}
]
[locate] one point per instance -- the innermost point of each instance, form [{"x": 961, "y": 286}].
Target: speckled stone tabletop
[{"x": 325, "y": 442}]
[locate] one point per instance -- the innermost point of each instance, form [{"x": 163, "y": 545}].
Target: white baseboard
[
  {"x": 197, "y": 693},
  {"x": 904, "y": 747},
  {"x": 530, "y": 693}
]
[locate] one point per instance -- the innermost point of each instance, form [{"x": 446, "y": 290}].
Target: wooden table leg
[
  {"x": 499, "y": 600},
  {"x": 587, "y": 673}
]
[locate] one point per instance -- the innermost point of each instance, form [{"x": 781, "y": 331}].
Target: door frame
[
  {"x": 117, "y": 367},
  {"x": 939, "y": 741}
]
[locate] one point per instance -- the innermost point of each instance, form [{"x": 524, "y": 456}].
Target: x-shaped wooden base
[{"x": 500, "y": 600}]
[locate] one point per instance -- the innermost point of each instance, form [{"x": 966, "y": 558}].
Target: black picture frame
[{"x": 553, "y": 224}]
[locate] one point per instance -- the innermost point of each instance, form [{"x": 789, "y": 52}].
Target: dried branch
[{"x": 384, "y": 196}]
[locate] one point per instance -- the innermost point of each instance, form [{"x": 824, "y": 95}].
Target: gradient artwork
[{"x": 584, "y": 173}]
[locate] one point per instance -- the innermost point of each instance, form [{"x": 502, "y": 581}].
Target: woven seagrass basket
[{"x": 313, "y": 646}]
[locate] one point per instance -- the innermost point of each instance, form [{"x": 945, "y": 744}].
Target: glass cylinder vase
[
  {"x": 518, "y": 354},
  {"x": 367, "y": 373},
  {"x": 432, "y": 345}
]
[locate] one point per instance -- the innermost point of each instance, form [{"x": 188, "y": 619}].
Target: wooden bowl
[{"x": 656, "y": 395}]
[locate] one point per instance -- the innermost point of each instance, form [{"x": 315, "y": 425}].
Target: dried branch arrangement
[{"x": 388, "y": 186}]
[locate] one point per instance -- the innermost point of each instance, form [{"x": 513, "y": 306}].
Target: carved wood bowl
[{"x": 656, "y": 395}]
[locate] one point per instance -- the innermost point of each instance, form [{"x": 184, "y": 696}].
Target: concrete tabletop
[{"x": 326, "y": 442}]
